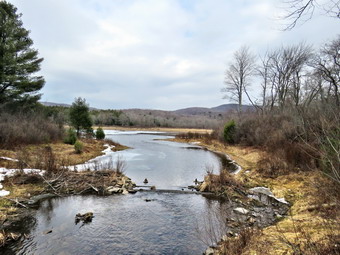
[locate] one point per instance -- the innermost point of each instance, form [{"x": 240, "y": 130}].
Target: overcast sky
[{"x": 155, "y": 54}]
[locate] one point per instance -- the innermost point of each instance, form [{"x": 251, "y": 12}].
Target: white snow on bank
[
  {"x": 238, "y": 167},
  {"x": 10, "y": 172},
  {"x": 108, "y": 149},
  {"x": 4, "y": 193},
  {"x": 119, "y": 132},
  {"x": 105, "y": 160}
]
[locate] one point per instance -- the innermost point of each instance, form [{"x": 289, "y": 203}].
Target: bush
[
  {"x": 100, "y": 135},
  {"x": 71, "y": 136},
  {"x": 229, "y": 132},
  {"x": 78, "y": 147}
]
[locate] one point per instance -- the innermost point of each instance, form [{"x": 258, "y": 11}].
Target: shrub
[
  {"x": 78, "y": 147},
  {"x": 71, "y": 136},
  {"x": 229, "y": 132},
  {"x": 100, "y": 135}
]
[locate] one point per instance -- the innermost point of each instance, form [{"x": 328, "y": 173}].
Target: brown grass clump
[
  {"x": 223, "y": 183},
  {"x": 238, "y": 245}
]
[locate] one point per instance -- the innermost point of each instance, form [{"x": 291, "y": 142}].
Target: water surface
[{"x": 128, "y": 224}]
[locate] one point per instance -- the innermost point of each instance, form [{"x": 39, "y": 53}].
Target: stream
[{"x": 142, "y": 223}]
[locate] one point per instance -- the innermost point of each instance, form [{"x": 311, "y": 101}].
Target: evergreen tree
[
  {"x": 80, "y": 116},
  {"x": 100, "y": 135},
  {"x": 18, "y": 60}
]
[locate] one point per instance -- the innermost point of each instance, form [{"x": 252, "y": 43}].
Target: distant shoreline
[{"x": 161, "y": 129}]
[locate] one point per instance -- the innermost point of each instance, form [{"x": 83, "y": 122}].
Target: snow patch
[
  {"x": 195, "y": 143},
  {"x": 238, "y": 167},
  {"x": 4, "y": 193},
  {"x": 108, "y": 149},
  {"x": 120, "y": 132},
  {"x": 9, "y": 159}
]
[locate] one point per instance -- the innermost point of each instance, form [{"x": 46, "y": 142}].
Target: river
[{"x": 142, "y": 223}]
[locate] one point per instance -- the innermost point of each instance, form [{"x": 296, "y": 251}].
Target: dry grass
[
  {"x": 63, "y": 153},
  {"x": 247, "y": 157},
  {"x": 313, "y": 226}
]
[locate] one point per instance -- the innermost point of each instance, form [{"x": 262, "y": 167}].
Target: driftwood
[
  {"x": 15, "y": 201},
  {"x": 89, "y": 182}
]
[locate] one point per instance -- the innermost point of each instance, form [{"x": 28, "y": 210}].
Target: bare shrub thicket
[
  {"x": 237, "y": 245},
  {"x": 298, "y": 119},
  {"x": 22, "y": 129}
]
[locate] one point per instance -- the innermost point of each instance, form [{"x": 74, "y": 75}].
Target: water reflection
[
  {"x": 122, "y": 225},
  {"x": 167, "y": 165}
]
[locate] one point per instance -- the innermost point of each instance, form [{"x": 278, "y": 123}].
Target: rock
[
  {"x": 251, "y": 221},
  {"x": 145, "y": 181},
  {"x": 267, "y": 192},
  {"x": 48, "y": 232},
  {"x": 153, "y": 188},
  {"x": 209, "y": 251},
  {"x": 85, "y": 218},
  {"x": 132, "y": 191},
  {"x": 148, "y": 200},
  {"x": 278, "y": 216},
  {"x": 241, "y": 210}
]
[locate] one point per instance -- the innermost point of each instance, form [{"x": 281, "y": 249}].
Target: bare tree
[
  {"x": 238, "y": 74},
  {"x": 263, "y": 72},
  {"x": 285, "y": 70},
  {"x": 327, "y": 65},
  {"x": 304, "y": 10}
]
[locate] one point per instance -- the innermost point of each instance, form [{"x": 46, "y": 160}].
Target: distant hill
[
  {"x": 61, "y": 105},
  {"x": 55, "y": 104},
  {"x": 221, "y": 109},
  {"x": 224, "y": 108}
]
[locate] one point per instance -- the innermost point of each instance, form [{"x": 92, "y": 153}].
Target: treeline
[
  {"x": 297, "y": 118},
  {"x": 155, "y": 118},
  {"x": 141, "y": 118}
]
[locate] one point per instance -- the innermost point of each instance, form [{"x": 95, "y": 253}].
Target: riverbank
[
  {"x": 27, "y": 190},
  {"x": 313, "y": 224}
]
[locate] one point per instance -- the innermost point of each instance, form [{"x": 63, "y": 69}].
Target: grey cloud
[{"x": 150, "y": 53}]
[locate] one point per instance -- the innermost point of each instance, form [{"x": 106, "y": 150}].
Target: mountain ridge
[{"x": 223, "y": 108}]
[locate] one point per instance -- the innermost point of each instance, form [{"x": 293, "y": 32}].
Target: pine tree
[
  {"x": 80, "y": 116},
  {"x": 18, "y": 60}
]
